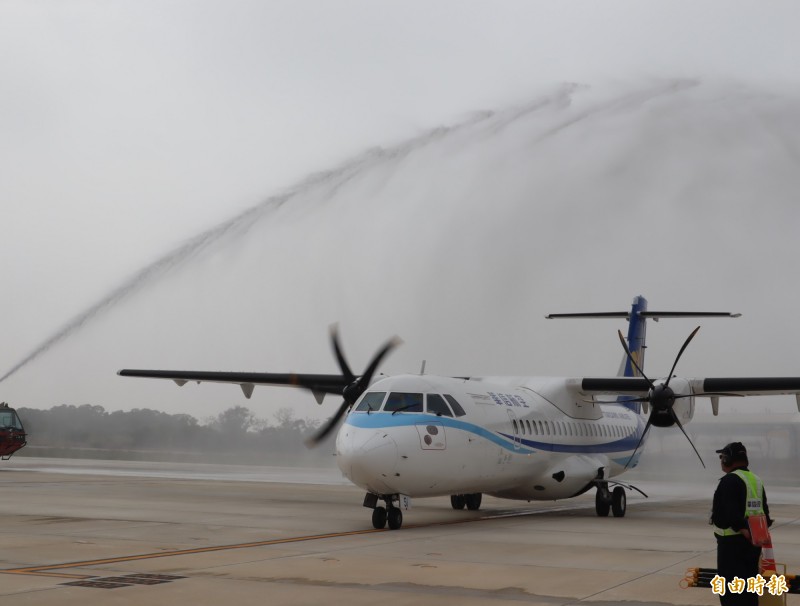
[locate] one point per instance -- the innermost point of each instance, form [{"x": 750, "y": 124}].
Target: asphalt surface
[{"x": 92, "y": 532}]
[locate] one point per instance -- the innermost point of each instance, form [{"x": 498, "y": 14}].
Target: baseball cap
[{"x": 733, "y": 450}]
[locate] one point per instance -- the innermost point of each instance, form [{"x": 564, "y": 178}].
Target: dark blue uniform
[{"x": 736, "y": 556}]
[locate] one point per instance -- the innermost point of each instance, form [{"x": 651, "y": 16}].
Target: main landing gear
[
  {"x": 615, "y": 501},
  {"x": 470, "y": 501},
  {"x": 381, "y": 516}
]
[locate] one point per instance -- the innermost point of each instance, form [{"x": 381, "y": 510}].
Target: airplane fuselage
[{"x": 517, "y": 438}]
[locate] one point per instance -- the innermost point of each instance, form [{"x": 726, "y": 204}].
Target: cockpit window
[
  {"x": 371, "y": 401},
  {"x": 403, "y": 402},
  {"x": 437, "y": 405},
  {"x": 456, "y": 406}
]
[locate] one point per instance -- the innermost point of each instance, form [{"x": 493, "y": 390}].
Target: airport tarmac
[{"x": 90, "y": 532}]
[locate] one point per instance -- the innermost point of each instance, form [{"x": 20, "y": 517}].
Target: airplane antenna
[{"x": 422, "y": 370}]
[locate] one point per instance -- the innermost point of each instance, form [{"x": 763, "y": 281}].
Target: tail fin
[{"x": 637, "y": 337}]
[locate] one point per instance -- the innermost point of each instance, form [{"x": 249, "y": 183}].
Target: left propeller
[{"x": 356, "y": 385}]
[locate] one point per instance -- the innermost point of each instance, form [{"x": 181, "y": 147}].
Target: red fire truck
[{"x": 12, "y": 433}]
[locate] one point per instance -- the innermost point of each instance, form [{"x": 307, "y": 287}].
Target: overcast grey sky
[{"x": 130, "y": 127}]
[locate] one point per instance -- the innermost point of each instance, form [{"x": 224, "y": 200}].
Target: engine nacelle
[{"x": 682, "y": 407}]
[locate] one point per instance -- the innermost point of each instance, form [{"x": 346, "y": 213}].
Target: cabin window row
[
  {"x": 568, "y": 428},
  {"x": 443, "y": 405}
]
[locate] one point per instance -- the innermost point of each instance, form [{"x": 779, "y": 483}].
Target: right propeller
[
  {"x": 661, "y": 398},
  {"x": 355, "y": 385}
]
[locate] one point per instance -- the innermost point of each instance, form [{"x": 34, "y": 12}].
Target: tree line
[{"x": 235, "y": 434}]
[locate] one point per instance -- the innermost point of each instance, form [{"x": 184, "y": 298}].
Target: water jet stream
[
  {"x": 332, "y": 179},
  {"x": 559, "y": 118}
]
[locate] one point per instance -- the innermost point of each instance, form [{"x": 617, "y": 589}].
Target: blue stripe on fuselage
[{"x": 378, "y": 420}]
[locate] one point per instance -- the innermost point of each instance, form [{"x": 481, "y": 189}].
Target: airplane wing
[
  {"x": 611, "y": 385},
  {"x": 318, "y": 384},
  {"x": 710, "y": 387},
  {"x": 742, "y": 386},
  {"x": 748, "y": 386}
]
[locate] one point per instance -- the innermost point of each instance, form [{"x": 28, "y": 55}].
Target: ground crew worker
[{"x": 740, "y": 494}]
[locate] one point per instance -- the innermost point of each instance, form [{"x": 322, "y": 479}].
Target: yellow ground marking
[
  {"x": 41, "y": 570},
  {"x": 44, "y": 570}
]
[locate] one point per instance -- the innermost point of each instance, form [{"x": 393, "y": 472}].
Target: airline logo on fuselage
[{"x": 504, "y": 399}]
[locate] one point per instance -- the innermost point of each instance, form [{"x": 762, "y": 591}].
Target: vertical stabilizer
[
  {"x": 637, "y": 336},
  {"x": 637, "y": 343}
]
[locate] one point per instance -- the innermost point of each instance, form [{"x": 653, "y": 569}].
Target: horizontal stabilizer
[
  {"x": 606, "y": 314},
  {"x": 653, "y": 315}
]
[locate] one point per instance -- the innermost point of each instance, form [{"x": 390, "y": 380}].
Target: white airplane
[{"x": 525, "y": 438}]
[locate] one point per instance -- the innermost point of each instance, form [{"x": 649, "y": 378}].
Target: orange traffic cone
[{"x": 768, "y": 558}]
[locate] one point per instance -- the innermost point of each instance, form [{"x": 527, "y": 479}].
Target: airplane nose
[{"x": 368, "y": 458}]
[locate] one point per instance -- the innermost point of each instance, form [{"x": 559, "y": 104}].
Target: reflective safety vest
[{"x": 754, "y": 504}]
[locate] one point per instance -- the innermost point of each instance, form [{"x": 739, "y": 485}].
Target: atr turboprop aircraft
[{"x": 525, "y": 438}]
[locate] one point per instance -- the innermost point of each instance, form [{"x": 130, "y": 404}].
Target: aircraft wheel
[
  {"x": 473, "y": 501},
  {"x": 618, "y": 502},
  {"x": 395, "y": 517},
  {"x": 379, "y": 517},
  {"x": 601, "y": 505},
  {"x": 458, "y": 501}
]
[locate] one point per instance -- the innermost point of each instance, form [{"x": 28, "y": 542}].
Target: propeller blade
[
  {"x": 644, "y": 433},
  {"x": 680, "y": 353},
  {"x": 328, "y": 427},
  {"x": 356, "y": 385},
  {"x": 354, "y": 390},
  {"x": 337, "y": 350},
  {"x": 678, "y": 423},
  {"x": 630, "y": 357},
  {"x": 373, "y": 366},
  {"x": 664, "y": 397}
]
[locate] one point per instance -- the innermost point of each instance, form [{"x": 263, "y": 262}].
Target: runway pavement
[{"x": 90, "y": 532}]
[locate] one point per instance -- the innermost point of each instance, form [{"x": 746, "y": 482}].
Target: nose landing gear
[
  {"x": 379, "y": 517},
  {"x": 390, "y": 514},
  {"x": 394, "y": 518}
]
